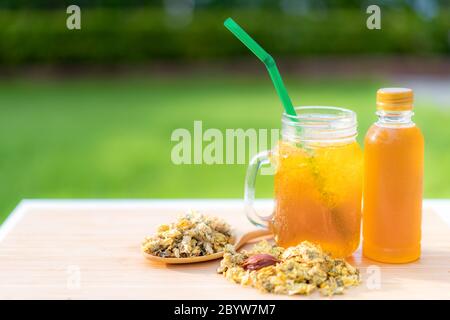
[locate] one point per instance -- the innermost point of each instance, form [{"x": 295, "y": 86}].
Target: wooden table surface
[{"x": 91, "y": 250}]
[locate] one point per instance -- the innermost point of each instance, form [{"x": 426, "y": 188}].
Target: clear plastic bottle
[{"x": 393, "y": 180}]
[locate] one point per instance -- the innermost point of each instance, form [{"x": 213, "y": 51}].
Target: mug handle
[{"x": 255, "y": 164}]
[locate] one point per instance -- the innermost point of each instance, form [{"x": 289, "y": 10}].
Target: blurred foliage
[
  {"x": 115, "y": 35},
  {"x": 110, "y": 138},
  {"x": 273, "y": 4}
]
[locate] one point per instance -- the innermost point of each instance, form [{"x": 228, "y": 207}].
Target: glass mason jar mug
[{"x": 318, "y": 181}]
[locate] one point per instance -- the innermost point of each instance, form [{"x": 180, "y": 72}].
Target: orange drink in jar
[{"x": 318, "y": 181}]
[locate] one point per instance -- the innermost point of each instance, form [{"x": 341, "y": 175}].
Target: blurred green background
[{"x": 89, "y": 113}]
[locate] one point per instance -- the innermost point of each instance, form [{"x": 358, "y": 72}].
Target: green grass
[{"x": 106, "y": 138}]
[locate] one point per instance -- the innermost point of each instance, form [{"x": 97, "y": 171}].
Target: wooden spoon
[{"x": 242, "y": 241}]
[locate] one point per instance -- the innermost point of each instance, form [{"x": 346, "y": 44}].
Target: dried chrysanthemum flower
[
  {"x": 192, "y": 235},
  {"x": 295, "y": 270}
]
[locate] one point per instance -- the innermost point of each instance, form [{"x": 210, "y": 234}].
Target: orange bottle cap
[{"x": 395, "y": 99}]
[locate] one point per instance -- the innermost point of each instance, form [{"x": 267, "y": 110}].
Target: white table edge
[{"x": 440, "y": 206}]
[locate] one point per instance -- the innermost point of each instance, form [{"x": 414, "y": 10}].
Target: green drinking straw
[
  {"x": 271, "y": 66},
  {"x": 268, "y": 61}
]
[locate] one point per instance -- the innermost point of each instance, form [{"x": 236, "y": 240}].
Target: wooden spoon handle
[{"x": 250, "y": 236}]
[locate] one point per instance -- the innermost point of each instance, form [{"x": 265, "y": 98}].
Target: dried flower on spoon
[{"x": 192, "y": 235}]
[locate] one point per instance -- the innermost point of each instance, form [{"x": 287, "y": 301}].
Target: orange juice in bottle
[{"x": 393, "y": 181}]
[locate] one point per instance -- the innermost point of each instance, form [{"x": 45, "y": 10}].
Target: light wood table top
[{"x": 88, "y": 249}]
